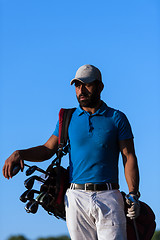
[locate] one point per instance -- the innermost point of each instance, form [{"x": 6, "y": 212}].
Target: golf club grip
[{"x": 15, "y": 170}]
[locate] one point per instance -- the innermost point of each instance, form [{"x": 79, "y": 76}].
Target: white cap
[{"x": 87, "y": 74}]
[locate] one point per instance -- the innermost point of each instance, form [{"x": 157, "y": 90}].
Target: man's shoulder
[
  {"x": 114, "y": 112},
  {"x": 116, "y": 115}
]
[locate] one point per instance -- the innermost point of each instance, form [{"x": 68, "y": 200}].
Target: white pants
[{"x": 95, "y": 215}]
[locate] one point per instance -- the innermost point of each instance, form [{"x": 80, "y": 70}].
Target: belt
[{"x": 94, "y": 187}]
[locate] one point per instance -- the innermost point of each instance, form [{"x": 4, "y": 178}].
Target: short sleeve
[
  {"x": 56, "y": 131},
  {"x": 123, "y": 125}
]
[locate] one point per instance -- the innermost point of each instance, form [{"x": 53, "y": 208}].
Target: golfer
[{"x": 97, "y": 134}]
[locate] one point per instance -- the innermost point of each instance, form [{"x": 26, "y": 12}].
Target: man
[{"x": 97, "y": 133}]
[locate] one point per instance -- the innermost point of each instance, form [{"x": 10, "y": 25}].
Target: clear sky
[{"x": 42, "y": 44}]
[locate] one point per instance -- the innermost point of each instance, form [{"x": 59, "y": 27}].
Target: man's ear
[{"x": 100, "y": 87}]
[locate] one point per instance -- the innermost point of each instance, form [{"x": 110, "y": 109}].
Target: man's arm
[
  {"x": 130, "y": 164},
  {"x": 35, "y": 154}
]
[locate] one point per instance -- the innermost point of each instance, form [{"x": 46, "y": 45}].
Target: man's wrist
[
  {"x": 19, "y": 154},
  {"x": 135, "y": 193}
]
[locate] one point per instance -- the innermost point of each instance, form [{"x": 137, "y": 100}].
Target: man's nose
[{"x": 82, "y": 88}]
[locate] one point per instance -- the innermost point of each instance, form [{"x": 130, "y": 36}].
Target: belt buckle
[{"x": 88, "y": 187}]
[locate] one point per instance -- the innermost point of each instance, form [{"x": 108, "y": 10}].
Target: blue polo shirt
[{"x": 94, "y": 148}]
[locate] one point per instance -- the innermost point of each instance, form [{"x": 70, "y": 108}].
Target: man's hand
[
  {"x": 134, "y": 210},
  {"x": 10, "y": 163}
]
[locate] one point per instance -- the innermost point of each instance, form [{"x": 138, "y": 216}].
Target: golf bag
[{"x": 52, "y": 191}]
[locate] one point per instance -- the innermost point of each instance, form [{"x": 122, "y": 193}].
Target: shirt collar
[{"x": 100, "y": 111}]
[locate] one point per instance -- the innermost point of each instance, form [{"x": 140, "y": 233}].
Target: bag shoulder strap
[{"x": 65, "y": 115}]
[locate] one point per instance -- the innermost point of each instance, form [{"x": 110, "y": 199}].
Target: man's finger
[
  {"x": 10, "y": 168},
  {"x": 22, "y": 165},
  {"x": 131, "y": 216},
  {"x": 5, "y": 171}
]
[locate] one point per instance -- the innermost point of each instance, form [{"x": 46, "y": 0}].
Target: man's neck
[{"x": 92, "y": 110}]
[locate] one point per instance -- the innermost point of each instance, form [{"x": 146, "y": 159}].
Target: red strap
[{"x": 61, "y": 112}]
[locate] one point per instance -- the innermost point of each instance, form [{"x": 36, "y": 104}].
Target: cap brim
[
  {"x": 76, "y": 79},
  {"x": 83, "y": 80}
]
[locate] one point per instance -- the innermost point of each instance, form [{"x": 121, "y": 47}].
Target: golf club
[
  {"x": 33, "y": 207},
  {"x": 29, "y": 171},
  {"x": 23, "y": 196},
  {"x": 45, "y": 199},
  {"x": 28, "y": 183},
  {"x": 28, "y": 205},
  {"x": 28, "y": 195},
  {"x": 16, "y": 169},
  {"x": 131, "y": 200},
  {"x": 40, "y": 196},
  {"x": 34, "y": 168}
]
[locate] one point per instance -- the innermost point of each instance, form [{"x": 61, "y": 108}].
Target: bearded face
[{"x": 88, "y": 95}]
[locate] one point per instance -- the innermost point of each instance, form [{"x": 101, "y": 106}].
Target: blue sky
[{"x": 42, "y": 44}]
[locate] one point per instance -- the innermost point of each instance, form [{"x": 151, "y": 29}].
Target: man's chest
[{"x": 96, "y": 129}]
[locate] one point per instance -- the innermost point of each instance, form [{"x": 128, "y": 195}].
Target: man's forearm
[
  {"x": 132, "y": 173},
  {"x": 36, "y": 154}
]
